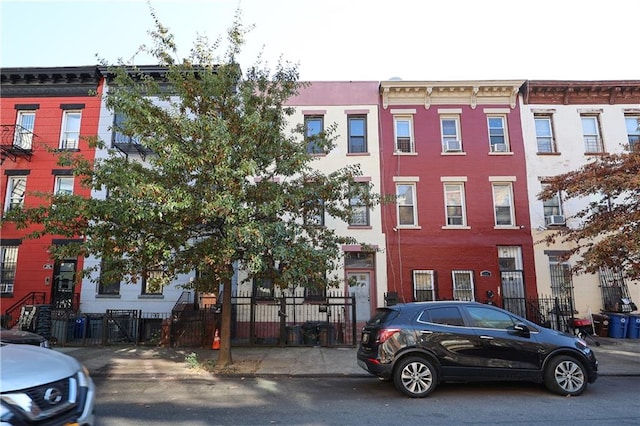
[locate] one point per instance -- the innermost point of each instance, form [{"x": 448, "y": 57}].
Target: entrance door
[
  {"x": 361, "y": 289},
  {"x": 64, "y": 278},
  {"x": 512, "y": 279}
]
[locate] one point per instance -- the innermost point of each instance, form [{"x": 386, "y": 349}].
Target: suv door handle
[
  {"x": 426, "y": 332},
  {"x": 486, "y": 337}
]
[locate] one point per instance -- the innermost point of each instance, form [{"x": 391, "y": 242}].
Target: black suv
[{"x": 421, "y": 344}]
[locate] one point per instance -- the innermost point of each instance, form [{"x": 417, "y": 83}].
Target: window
[
  {"x": 407, "y": 214},
  {"x": 359, "y": 210},
  {"x": 498, "y": 141},
  {"x": 153, "y": 281},
  {"x": 263, "y": 288},
  {"x": 591, "y": 134},
  {"x": 357, "y": 133},
  {"x": 16, "y": 189},
  {"x": 544, "y": 133},
  {"x": 314, "y": 126},
  {"x": 403, "y": 134},
  {"x": 633, "y": 130},
  {"x": 23, "y": 137},
  {"x": 561, "y": 281},
  {"x": 423, "y": 285},
  {"x": 553, "y": 210},
  {"x": 462, "y": 285},
  {"x": 445, "y": 316},
  {"x": 70, "y": 130},
  {"x": 490, "y": 318},
  {"x": 454, "y": 204},
  {"x": 119, "y": 134},
  {"x": 63, "y": 185},
  {"x": 503, "y": 204},
  {"x": 9, "y": 261},
  {"x": 109, "y": 283},
  {"x": 314, "y": 213},
  {"x": 316, "y": 288},
  {"x": 450, "y": 128}
]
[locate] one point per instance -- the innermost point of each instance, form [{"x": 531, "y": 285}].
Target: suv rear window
[
  {"x": 445, "y": 315},
  {"x": 382, "y": 315}
]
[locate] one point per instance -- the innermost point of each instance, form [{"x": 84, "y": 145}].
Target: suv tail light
[{"x": 386, "y": 333}]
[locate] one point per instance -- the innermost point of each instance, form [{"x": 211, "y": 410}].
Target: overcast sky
[{"x": 349, "y": 39}]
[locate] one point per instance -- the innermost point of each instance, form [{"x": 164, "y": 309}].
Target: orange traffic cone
[{"x": 216, "y": 340}]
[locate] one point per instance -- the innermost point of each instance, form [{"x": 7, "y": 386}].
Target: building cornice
[
  {"x": 428, "y": 93},
  {"x": 566, "y": 92},
  {"x": 49, "y": 82}
]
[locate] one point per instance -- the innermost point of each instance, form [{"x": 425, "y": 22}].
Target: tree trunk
[{"x": 224, "y": 356}]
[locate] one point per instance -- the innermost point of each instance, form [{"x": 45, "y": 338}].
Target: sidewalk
[{"x": 617, "y": 357}]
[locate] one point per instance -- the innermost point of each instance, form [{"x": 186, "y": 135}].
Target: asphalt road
[{"x": 346, "y": 401}]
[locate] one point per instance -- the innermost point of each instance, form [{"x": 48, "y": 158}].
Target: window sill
[
  {"x": 7, "y": 295},
  {"x": 501, "y": 154},
  {"x": 318, "y": 154},
  {"x": 151, "y": 296},
  {"x": 547, "y": 153},
  {"x": 67, "y": 150},
  {"x": 510, "y": 227},
  {"x": 456, "y": 227},
  {"x": 598, "y": 154},
  {"x": 108, "y": 296},
  {"x": 358, "y": 154},
  {"x": 400, "y": 153},
  {"x": 453, "y": 154},
  {"x": 409, "y": 227},
  {"x": 359, "y": 227}
]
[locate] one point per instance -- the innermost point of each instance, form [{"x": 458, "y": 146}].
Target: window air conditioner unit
[
  {"x": 499, "y": 147},
  {"x": 554, "y": 220},
  {"x": 452, "y": 146}
]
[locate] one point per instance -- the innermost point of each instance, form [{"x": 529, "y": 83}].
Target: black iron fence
[
  {"x": 284, "y": 321},
  {"x": 547, "y": 311}
]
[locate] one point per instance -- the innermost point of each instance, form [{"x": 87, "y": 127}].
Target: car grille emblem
[{"x": 53, "y": 396}]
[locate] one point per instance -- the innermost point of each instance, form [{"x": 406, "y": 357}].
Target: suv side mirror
[{"x": 522, "y": 330}]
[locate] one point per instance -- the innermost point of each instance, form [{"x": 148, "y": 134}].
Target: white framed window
[
  {"x": 403, "y": 128},
  {"x": 406, "y": 204},
  {"x": 23, "y": 137},
  {"x": 463, "y": 286},
  {"x": 454, "y": 201},
  {"x": 109, "y": 284},
  {"x": 424, "y": 285},
  {"x": 632, "y": 123},
  {"x": 314, "y": 213},
  {"x": 314, "y": 126},
  {"x": 591, "y": 134},
  {"x": 498, "y": 140},
  {"x": 359, "y": 210},
  {"x": 16, "y": 190},
  {"x": 153, "y": 282},
  {"x": 63, "y": 185},
  {"x": 553, "y": 210},
  {"x": 70, "y": 134},
  {"x": 450, "y": 132},
  {"x": 8, "y": 266},
  {"x": 503, "y": 204},
  {"x": 544, "y": 133}
]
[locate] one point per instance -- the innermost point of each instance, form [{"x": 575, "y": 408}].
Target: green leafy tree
[
  {"x": 607, "y": 233},
  {"x": 226, "y": 183}
]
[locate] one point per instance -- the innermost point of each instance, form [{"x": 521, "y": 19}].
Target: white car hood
[{"x": 25, "y": 366}]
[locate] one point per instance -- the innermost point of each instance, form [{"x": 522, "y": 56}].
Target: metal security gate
[{"x": 294, "y": 321}]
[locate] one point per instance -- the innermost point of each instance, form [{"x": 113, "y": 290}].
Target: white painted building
[{"x": 565, "y": 125}]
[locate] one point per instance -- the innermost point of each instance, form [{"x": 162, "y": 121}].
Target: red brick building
[
  {"x": 453, "y": 154},
  {"x": 43, "y": 109}
]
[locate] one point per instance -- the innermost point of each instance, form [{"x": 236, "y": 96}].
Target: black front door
[{"x": 64, "y": 279}]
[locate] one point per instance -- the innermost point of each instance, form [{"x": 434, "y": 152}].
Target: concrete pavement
[{"x": 617, "y": 357}]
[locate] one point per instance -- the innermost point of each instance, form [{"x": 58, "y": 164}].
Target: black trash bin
[
  {"x": 310, "y": 333},
  {"x": 294, "y": 335},
  {"x": 326, "y": 334}
]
